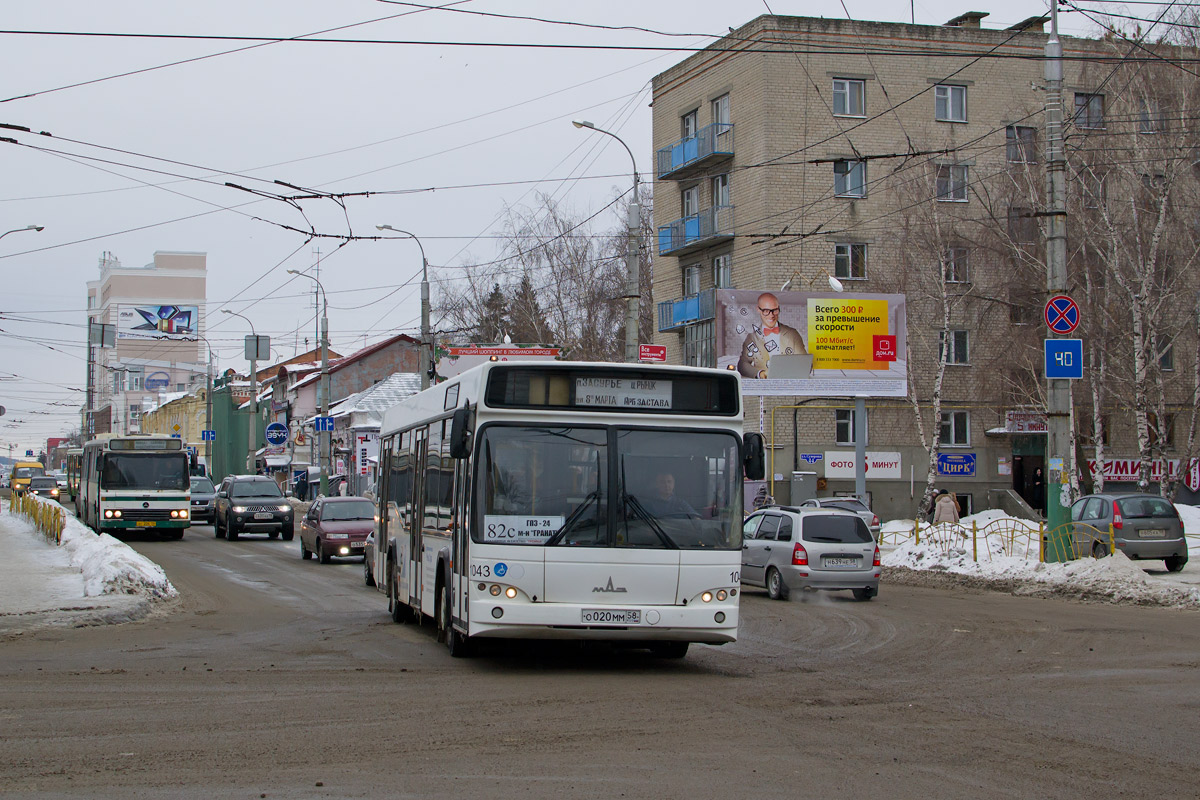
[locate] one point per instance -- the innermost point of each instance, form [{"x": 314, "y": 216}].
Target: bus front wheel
[
  {"x": 394, "y": 606},
  {"x": 458, "y": 644}
]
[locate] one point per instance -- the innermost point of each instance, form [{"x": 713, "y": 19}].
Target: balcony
[
  {"x": 710, "y": 226},
  {"x": 673, "y": 314},
  {"x": 690, "y": 156}
]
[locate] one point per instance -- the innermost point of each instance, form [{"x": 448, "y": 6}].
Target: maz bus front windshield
[
  {"x": 609, "y": 487},
  {"x": 145, "y": 471}
]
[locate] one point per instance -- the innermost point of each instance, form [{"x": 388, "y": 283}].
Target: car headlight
[
  {"x": 54, "y": 492},
  {"x": 239, "y": 509},
  {"x": 284, "y": 508}
]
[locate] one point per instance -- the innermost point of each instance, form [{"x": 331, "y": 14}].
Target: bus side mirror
[
  {"x": 460, "y": 433},
  {"x": 753, "y": 458}
]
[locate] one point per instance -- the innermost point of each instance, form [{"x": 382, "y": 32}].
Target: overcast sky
[{"x": 347, "y": 117}]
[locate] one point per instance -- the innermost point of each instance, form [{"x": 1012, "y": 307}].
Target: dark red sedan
[{"x": 336, "y": 527}]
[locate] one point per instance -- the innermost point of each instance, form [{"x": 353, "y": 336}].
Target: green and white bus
[
  {"x": 534, "y": 500},
  {"x": 135, "y": 482}
]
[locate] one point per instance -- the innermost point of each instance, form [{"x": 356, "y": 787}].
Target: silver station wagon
[
  {"x": 786, "y": 548},
  {"x": 1145, "y": 526}
]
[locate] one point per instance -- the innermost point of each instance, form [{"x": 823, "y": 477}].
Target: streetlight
[
  {"x": 26, "y": 228},
  {"x": 426, "y": 339},
  {"x": 324, "y": 440},
  {"x": 632, "y": 269},
  {"x": 253, "y": 393}
]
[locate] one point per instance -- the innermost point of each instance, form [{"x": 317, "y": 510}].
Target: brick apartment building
[{"x": 899, "y": 159}]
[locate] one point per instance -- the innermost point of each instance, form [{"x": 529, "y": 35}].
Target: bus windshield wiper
[
  {"x": 573, "y": 517},
  {"x": 641, "y": 511}
]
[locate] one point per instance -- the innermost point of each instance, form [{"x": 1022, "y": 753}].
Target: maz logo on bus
[{"x": 609, "y": 587}]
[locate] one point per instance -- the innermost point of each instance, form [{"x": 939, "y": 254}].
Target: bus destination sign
[{"x": 623, "y": 392}]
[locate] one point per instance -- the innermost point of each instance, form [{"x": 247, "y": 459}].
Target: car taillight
[
  {"x": 875, "y": 563},
  {"x": 799, "y": 556},
  {"x": 875, "y": 521},
  {"x": 1118, "y": 523}
]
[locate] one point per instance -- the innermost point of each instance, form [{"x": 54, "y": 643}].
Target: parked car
[
  {"x": 61, "y": 477},
  {"x": 336, "y": 527},
  {"x": 203, "y": 496},
  {"x": 251, "y": 504},
  {"x": 44, "y": 486},
  {"x": 810, "y": 548},
  {"x": 851, "y": 504},
  {"x": 1145, "y": 526}
]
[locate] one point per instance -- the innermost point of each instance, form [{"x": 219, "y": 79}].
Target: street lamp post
[
  {"x": 253, "y": 444},
  {"x": 632, "y": 267},
  {"x": 26, "y": 228},
  {"x": 426, "y": 357},
  {"x": 324, "y": 440}
]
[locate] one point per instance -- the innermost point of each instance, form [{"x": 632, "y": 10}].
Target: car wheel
[
  {"x": 289, "y": 532},
  {"x": 397, "y": 610},
  {"x": 1099, "y": 549},
  {"x": 273, "y": 535},
  {"x": 321, "y": 551},
  {"x": 865, "y": 593},
  {"x": 305, "y": 554},
  {"x": 368, "y": 578},
  {"x": 217, "y": 527},
  {"x": 776, "y": 588},
  {"x": 458, "y": 645},
  {"x": 231, "y": 531},
  {"x": 669, "y": 649},
  {"x": 1175, "y": 563}
]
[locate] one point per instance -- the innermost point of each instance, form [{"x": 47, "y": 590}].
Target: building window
[
  {"x": 691, "y": 280},
  {"x": 687, "y": 123},
  {"x": 720, "y": 190},
  {"x": 952, "y": 183},
  {"x": 1151, "y": 117},
  {"x": 1168, "y": 426},
  {"x": 950, "y": 103},
  {"x": 698, "y": 345},
  {"x": 850, "y": 178},
  {"x": 850, "y": 261},
  {"x": 843, "y": 424},
  {"x": 723, "y": 271},
  {"x": 1094, "y": 191},
  {"x": 1022, "y": 144},
  {"x": 1022, "y": 227},
  {"x": 959, "y": 351},
  {"x": 134, "y": 380},
  {"x": 1089, "y": 110},
  {"x": 720, "y": 110},
  {"x": 689, "y": 200},
  {"x": 1166, "y": 354},
  {"x": 849, "y": 98},
  {"x": 956, "y": 429},
  {"x": 957, "y": 270}
]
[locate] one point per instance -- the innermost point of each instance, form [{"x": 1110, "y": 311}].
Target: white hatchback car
[{"x": 818, "y": 548}]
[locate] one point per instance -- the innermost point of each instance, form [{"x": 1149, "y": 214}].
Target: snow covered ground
[{"x": 1004, "y": 553}]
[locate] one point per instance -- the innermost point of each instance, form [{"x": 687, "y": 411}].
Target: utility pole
[
  {"x": 1058, "y": 394},
  {"x": 323, "y": 437},
  {"x": 426, "y": 355}
]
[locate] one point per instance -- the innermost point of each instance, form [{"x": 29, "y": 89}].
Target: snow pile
[
  {"x": 1005, "y": 556},
  {"x": 110, "y": 566}
]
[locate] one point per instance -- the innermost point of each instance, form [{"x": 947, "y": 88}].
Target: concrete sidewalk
[{"x": 40, "y": 588}]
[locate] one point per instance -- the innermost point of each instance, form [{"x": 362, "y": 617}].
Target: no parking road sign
[{"x": 1062, "y": 315}]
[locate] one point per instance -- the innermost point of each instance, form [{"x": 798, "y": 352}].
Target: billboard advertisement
[
  {"x": 815, "y": 344},
  {"x": 157, "y": 322}
]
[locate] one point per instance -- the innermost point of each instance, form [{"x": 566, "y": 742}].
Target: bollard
[{"x": 974, "y": 542}]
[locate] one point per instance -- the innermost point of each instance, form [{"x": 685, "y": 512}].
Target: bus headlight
[
  {"x": 510, "y": 593},
  {"x": 721, "y": 594},
  {"x": 495, "y": 590},
  {"x": 174, "y": 514},
  {"x": 107, "y": 514},
  {"x": 183, "y": 514},
  {"x": 706, "y": 597}
]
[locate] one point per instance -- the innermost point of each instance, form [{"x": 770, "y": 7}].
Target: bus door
[
  {"x": 460, "y": 534},
  {"x": 384, "y": 524},
  {"x": 416, "y": 519}
]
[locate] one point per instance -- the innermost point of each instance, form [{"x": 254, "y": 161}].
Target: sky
[{"x": 147, "y": 132}]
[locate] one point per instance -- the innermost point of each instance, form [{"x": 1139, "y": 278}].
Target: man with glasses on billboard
[{"x": 768, "y": 339}]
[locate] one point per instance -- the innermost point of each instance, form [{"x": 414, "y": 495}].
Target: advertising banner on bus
[
  {"x": 815, "y": 344},
  {"x": 457, "y": 359},
  {"x": 157, "y": 322}
]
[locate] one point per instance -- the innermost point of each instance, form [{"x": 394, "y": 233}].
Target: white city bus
[
  {"x": 532, "y": 500},
  {"x": 138, "y": 481},
  {"x": 74, "y": 469}
]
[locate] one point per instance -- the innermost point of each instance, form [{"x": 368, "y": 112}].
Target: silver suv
[
  {"x": 852, "y": 504},
  {"x": 785, "y": 548}
]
